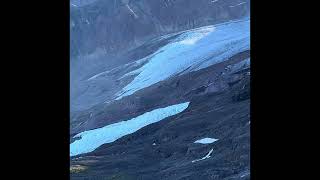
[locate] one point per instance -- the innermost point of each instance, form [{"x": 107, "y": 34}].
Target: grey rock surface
[{"x": 114, "y": 26}]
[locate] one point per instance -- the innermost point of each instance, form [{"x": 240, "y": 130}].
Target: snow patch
[
  {"x": 206, "y": 141},
  {"x": 131, "y": 64},
  {"x": 72, "y": 24},
  {"x": 245, "y": 174},
  {"x": 239, "y": 66},
  {"x": 205, "y": 157},
  {"x": 92, "y": 139},
  {"x": 134, "y": 14},
  {"x": 238, "y": 4},
  {"x": 97, "y": 75},
  {"x": 194, "y": 37},
  {"x": 135, "y": 64}
]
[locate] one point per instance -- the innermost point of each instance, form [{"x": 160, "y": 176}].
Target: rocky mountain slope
[
  {"x": 170, "y": 103},
  {"x": 114, "y": 25}
]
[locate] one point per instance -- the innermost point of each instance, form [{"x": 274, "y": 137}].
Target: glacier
[
  {"x": 192, "y": 50},
  {"x": 92, "y": 139}
]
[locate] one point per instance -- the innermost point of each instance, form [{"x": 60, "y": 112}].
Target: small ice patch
[
  {"x": 134, "y": 14},
  {"x": 205, "y": 157},
  {"x": 97, "y": 75},
  {"x": 107, "y": 102},
  {"x": 238, "y": 4},
  {"x": 245, "y": 174},
  {"x": 240, "y": 66},
  {"x": 92, "y": 139},
  {"x": 206, "y": 141}
]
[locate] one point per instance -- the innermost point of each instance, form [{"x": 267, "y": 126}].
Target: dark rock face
[{"x": 115, "y": 25}]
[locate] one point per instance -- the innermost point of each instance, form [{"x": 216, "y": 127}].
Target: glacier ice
[
  {"x": 92, "y": 139},
  {"x": 190, "y": 51}
]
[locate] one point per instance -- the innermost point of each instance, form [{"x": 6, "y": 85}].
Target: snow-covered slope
[
  {"x": 190, "y": 51},
  {"x": 92, "y": 139}
]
